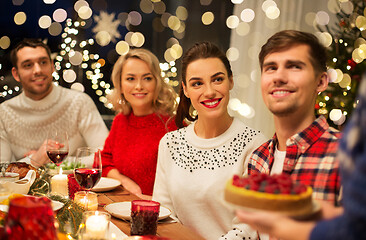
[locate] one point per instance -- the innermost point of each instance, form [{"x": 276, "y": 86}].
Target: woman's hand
[
  {"x": 145, "y": 197},
  {"x": 126, "y": 182},
  {"x": 131, "y": 186}
]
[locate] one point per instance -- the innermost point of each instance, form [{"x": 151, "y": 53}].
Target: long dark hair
[{"x": 200, "y": 50}]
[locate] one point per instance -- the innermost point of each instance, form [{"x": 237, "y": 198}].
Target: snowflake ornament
[{"x": 107, "y": 23}]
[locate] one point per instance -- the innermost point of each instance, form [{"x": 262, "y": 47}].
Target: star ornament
[{"x": 106, "y": 25}]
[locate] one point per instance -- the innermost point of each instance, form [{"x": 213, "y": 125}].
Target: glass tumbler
[
  {"x": 30, "y": 218},
  {"x": 144, "y": 217},
  {"x": 73, "y": 186}
]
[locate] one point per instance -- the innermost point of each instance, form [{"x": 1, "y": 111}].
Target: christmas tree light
[
  {"x": 346, "y": 62},
  {"x": 76, "y": 59}
]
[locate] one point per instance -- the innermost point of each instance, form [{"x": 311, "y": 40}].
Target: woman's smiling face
[
  {"x": 208, "y": 86},
  {"x": 138, "y": 86}
]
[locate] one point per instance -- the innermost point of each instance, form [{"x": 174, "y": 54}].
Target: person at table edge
[{"x": 26, "y": 119}]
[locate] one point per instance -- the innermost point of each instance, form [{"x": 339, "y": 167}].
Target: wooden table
[{"x": 174, "y": 231}]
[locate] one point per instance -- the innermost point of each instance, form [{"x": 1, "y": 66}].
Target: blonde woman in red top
[{"x": 145, "y": 106}]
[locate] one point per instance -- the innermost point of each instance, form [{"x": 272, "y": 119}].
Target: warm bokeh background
[{"x": 87, "y": 37}]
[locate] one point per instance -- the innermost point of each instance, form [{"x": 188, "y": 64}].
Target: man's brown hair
[
  {"x": 28, "y": 42},
  {"x": 283, "y": 40}
]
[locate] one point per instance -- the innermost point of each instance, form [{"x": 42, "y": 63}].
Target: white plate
[
  {"x": 56, "y": 205},
  {"x": 123, "y": 210},
  {"x": 115, "y": 232},
  {"x": 4, "y": 208},
  {"x": 106, "y": 184}
]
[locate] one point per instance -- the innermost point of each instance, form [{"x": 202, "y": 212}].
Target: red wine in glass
[
  {"x": 57, "y": 147},
  {"x": 88, "y": 167},
  {"x": 87, "y": 177},
  {"x": 57, "y": 156}
]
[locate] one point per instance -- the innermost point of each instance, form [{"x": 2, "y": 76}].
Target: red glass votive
[
  {"x": 73, "y": 186},
  {"x": 30, "y": 218},
  {"x": 144, "y": 217}
]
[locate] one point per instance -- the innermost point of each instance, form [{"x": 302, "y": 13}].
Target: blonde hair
[{"x": 164, "y": 101}]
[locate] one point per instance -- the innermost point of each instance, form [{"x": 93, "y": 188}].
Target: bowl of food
[{"x": 67, "y": 167}]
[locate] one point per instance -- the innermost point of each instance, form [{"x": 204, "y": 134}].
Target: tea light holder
[
  {"x": 87, "y": 200},
  {"x": 144, "y": 217},
  {"x": 25, "y": 212},
  {"x": 95, "y": 225},
  {"x": 73, "y": 185}
]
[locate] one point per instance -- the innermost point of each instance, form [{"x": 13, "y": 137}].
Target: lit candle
[
  {"x": 59, "y": 185},
  {"x": 88, "y": 201},
  {"x": 96, "y": 226}
]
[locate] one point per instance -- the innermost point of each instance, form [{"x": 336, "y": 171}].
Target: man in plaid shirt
[
  {"x": 293, "y": 66},
  {"x": 347, "y": 222}
]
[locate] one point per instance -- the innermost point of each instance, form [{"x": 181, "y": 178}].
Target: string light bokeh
[
  {"x": 76, "y": 61},
  {"x": 92, "y": 36},
  {"x": 347, "y": 46}
]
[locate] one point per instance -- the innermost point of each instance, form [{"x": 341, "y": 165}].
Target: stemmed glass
[
  {"x": 57, "y": 146},
  {"x": 88, "y": 167}
]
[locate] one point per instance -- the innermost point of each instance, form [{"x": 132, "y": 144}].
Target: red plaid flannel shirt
[{"x": 310, "y": 159}]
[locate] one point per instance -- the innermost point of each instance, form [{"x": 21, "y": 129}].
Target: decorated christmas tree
[{"x": 346, "y": 62}]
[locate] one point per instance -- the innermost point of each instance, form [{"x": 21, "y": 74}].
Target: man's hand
[
  {"x": 329, "y": 211},
  {"x": 39, "y": 157},
  {"x": 276, "y": 225}
]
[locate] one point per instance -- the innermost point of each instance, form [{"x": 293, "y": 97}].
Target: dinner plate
[
  {"x": 115, "y": 232},
  {"x": 106, "y": 184},
  {"x": 122, "y": 210},
  {"x": 56, "y": 205}
]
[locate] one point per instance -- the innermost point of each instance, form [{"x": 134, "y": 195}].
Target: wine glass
[
  {"x": 88, "y": 167},
  {"x": 57, "y": 146}
]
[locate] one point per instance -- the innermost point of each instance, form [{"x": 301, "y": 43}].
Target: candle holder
[
  {"x": 95, "y": 225},
  {"x": 30, "y": 218},
  {"x": 89, "y": 201},
  {"x": 73, "y": 186},
  {"x": 144, "y": 217}
]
